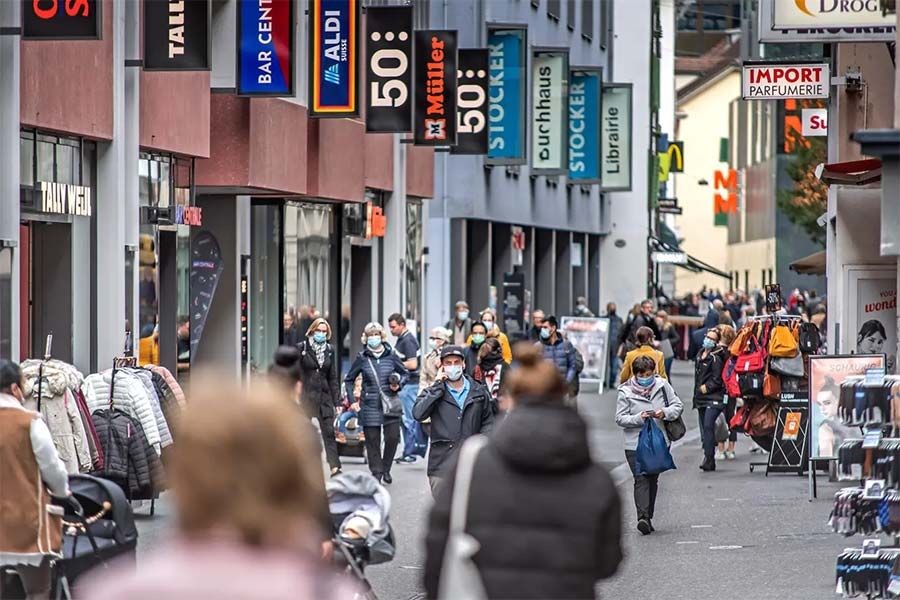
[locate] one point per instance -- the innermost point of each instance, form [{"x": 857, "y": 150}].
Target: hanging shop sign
[
  {"x": 66, "y": 199},
  {"x": 506, "y": 97},
  {"x": 389, "y": 31},
  {"x": 725, "y": 195},
  {"x": 549, "y": 72},
  {"x": 615, "y": 137},
  {"x": 176, "y": 35},
  {"x": 675, "y": 152},
  {"x": 188, "y": 215},
  {"x": 206, "y": 270},
  {"x": 334, "y": 58},
  {"x": 434, "y": 111},
  {"x": 803, "y": 21},
  {"x": 471, "y": 102},
  {"x": 814, "y": 122},
  {"x": 584, "y": 125},
  {"x": 785, "y": 81},
  {"x": 61, "y": 19},
  {"x": 265, "y": 48}
]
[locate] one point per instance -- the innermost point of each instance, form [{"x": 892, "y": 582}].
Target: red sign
[
  {"x": 725, "y": 204},
  {"x": 189, "y": 215},
  {"x": 61, "y": 19}
]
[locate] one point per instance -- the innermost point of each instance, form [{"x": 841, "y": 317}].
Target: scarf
[
  {"x": 319, "y": 349},
  {"x": 640, "y": 390},
  {"x": 489, "y": 361}
]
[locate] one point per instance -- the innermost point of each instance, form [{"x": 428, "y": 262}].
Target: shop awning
[
  {"x": 692, "y": 263},
  {"x": 853, "y": 172},
  {"x": 814, "y": 264}
]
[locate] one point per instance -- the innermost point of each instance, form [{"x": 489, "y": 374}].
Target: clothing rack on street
[{"x": 40, "y": 380}]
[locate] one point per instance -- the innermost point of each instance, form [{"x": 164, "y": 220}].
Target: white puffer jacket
[
  {"x": 165, "y": 436},
  {"x": 129, "y": 396}
]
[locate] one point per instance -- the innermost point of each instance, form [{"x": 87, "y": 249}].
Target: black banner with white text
[
  {"x": 389, "y": 31},
  {"x": 434, "y": 111},
  {"x": 176, "y": 35},
  {"x": 472, "y": 102}
]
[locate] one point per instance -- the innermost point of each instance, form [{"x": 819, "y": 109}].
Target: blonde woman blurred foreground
[{"x": 249, "y": 494}]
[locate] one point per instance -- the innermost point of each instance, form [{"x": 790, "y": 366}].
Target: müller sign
[{"x": 785, "y": 81}]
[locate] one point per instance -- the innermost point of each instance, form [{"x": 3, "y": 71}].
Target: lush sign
[
  {"x": 434, "y": 111},
  {"x": 265, "y": 61},
  {"x": 333, "y": 68},
  {"x": 176, "y": 35},
  {"x": 584, "y": 126},
  {"x": 615, "y": 137},
  {"x": 548, "y": 116},
  {"x": 506, "y": 97},
  {"x": 471, "y": 98},
  {"x": 389, "y": 68},
  {"x": 61, "y": 19}
]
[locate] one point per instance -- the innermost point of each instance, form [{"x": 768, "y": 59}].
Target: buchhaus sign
[
  {"x": 434, "y": 113},
  {"x": 548, "y": 117},
  {"x": 265, "y": 61},
  {"x": 615, "y": 137},
  {"x": 334, "y": 25},
  {"x": 61, "y": 19},
  {"x": 176, "y": 35},
  {"x": 785, "y": 81}
]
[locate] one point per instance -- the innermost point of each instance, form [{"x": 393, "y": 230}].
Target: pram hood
[
  {"x": 88, "y": 489},
  {"x": 358, "y": 494}
]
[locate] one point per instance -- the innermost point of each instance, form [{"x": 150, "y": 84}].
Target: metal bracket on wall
[
  {"x": 8, "y": 243},
  {"x": 10, "y": 31}
]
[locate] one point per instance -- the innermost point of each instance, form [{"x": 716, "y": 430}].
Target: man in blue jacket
[{"x": 558, "y": 350}]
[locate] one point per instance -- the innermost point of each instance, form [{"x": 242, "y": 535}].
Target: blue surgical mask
[
  {"x": 373, "y": 341},
  {"x": 454, "y": 372},
  {"x": 708, "y": 343},
  {"x": 462, "y": 315},
  {"x": 432, "y": 343},
  {"x": 545, "y": 333},
  {"x": 645, "y": 381},
  {"x": 319, "y": 337},
  {"x": 478, "y": 339}
]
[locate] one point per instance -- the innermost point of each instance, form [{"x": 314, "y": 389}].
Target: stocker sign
[
  {"x": 176, "y": 35},
  {"x": 265, "y": 62},
  {"x": 61, "y": 19},
  {"x": 785, "y": 81},
  {"x": 434, "y": 112},
  {"x": 389, "y": 68},
  {"x": 334, "y": 56}
]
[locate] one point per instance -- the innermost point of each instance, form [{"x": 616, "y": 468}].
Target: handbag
[
  {"x": 762, "y": 419},
  {"x": 460, "y": 579},
  {"x": 791, "y": 367},
  {"x": 809, "y": 338},
  {"x": 751, "y": 384},
  {"x": 730, "y": 378},
  {"x": 665, "y": 346},
  {"x": 674, "y": 429},
  {"x": 390, "y": 405},
  {"x": 721, "y": 428},
  {"x": 740, "y": 341},
  {"x": 771, "y": 386},
  {"x": 652, "y": 455},
  {"x": 754, "y": 358},
  {"x": 782, "y": 343}
]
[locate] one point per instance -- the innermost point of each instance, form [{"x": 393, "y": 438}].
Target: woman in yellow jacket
[
  {"x": 644, "y": 337},
  {"x": 488, "y": 317}
]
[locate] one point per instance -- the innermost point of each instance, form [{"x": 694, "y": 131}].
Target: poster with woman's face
[
  {"x": 876, "y": 318},
  {"x": 826, "y": 374}
]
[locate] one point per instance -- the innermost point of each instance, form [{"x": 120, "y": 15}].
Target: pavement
[{"x": 727, "y": 534}]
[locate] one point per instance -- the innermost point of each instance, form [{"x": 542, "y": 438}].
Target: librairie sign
[
  {"x": 66, "y": 199},
  {"x": 615, "y": 137},
  {"x": 785, "y": 81}
]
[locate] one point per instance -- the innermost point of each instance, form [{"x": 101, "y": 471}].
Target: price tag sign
[
  {"x": 872, "y": 438},
  {"x": 774, "y": 300},
  {"x": 875, "y": 376},
  {"x": 871, "y": 547}
]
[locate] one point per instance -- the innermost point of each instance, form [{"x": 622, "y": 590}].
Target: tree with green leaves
[{"x": 807, "y": 199}]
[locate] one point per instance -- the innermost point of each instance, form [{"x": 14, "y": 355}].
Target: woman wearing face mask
[
  {"x": 321, "y": 388},
  {"x": 492, "y": 330},
  {"x": 491, "y": 370},
  {"x": 431, "y": 363},
  {"x": 479, "y": 334},
  {"x": 646, "y": 395},
  {"x": 644, "y": 339},
  {"x": 709, "y": 393},
  {"x": 375, "y": 362}
]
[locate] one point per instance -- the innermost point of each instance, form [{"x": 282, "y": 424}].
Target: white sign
[
  {"x": 670, "y": 258},
  {"x": 66, "y": 199},
  {"x": 549, "y": 105},
  {"x": 815, "y": 122},
  {"x": 615, "y": 138},
  {"x": 802, "y": 21},
  {"x": 785, "y": 81}
]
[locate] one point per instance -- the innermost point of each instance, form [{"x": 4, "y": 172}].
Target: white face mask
[
  {"x": 432, "y": 343},
  {"x": 489, "y": 324},
  {"x": 454, "y": 372}
]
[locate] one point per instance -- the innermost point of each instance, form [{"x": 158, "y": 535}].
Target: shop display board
[
  {"x": 590, "y": 335},
  {"x": 789, "y": 447}
]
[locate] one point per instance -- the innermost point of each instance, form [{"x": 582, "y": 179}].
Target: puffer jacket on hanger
[
  {"x": 130, "y": 462},
  {"x": 172, "y": 383},
  {"x": 145, "y": 378},
  {"x": 129, "y": 395}
]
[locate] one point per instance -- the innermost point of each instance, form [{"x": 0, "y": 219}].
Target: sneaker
[
  {"x": 708, "y": 465},
  {"x": 730, "y": 455},
  {"x": 406, "y": 460},
  {"x": 720, "y": 455},
  {"x": 643, "y": 525}
]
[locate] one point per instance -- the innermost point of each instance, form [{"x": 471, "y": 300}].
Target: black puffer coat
[
  {"x": 321, "y": 388},
  {"x": 548, "y": 519},
  {"x": 370, "y": 410},
  {"x": 708, "y": 372},
  {"x": 128, "y": 460}
]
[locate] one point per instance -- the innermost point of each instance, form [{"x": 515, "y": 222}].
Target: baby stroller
[
  {"x": 363, "y": 536},
  {"x": 348, "y": 432}
]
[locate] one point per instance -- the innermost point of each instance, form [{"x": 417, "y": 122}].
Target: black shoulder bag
[
  {"x": 674, "y": 429},
  {"x": 390, "y": 404}
]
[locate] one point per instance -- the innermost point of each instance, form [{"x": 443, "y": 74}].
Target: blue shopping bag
[{"x": 652, "y": 455}]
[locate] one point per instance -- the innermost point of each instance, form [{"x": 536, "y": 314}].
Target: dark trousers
[
  {"x": 379, "y": 463},
  {"x": 729, "y": 414},
  {"x": 707, "y": 418},
  {"x": 326, "y": 426},
  {"x": 645, "y": 488}
]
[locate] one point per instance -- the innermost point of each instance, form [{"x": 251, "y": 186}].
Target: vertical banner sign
[
  {"x": 265, "y": 48},
  {"x": 61, "y": 19},
  {"x": 389, "y": 69},
  {"x": 434, "y": 112},
  {"x": 176, "y": 35},
  {"x": 584, "y": 126},
  {"x": 506, "y": 99},
  {"x": 548, "y": 114},
  {"x": 206, "y": 269},
  {"x": 615, "y": 137},
  {"x": 334, "y": 58},
  {"x": 472, "y": 104}
]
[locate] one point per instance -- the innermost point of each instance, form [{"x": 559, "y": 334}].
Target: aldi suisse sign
[
  {"x": 785, "y": 81},
  {"x": 265, "y": 62},
  {"x": 434, "y": 111},
  {"x": 60, "y": 19},
  {"x": 334, "y": 57},
  {"x": 389, "y": 68}
]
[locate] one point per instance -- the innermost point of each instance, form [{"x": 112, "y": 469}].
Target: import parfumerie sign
[
  {"x": 785, "y": 81},
  {"x": 615, "y": 137}
]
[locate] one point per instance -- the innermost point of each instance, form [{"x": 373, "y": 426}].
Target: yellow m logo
[{"x": 675, "y": 151}]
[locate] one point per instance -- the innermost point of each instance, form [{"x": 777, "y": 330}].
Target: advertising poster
[
  {"x": 615, "y": 138},
  {"x": 591, "y": 336},
  {"x": 265, "y": 48},
  {"x": 471, "y": 99},
  {"x": 389, "y": 32},
  {"x": 873, "y": 324},
  {"x": 434, "y": 111},
  {"x": 826, "y": 373},
  {"x": 549, "y": 72},
  {"x": 176, "y": 35},
  {"x": 333, "y": 57},
  {"x": 61, "y": 20},
  {"x": 584, "y": 126},
  {"x": 506, "y": 97},
  {"x": 206, "y": 269}
]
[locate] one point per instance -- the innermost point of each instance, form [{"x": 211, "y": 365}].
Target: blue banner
[
  {"x": 265, "y": 48},
  {"x": 506, "y": 95},
  {"x": 333, "y": 63},
  {"x": 584, "y": 125}
]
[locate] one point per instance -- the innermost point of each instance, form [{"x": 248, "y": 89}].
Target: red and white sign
[
  {"x": 815, "y": 122},
  {"x": 786, "y": 81}
]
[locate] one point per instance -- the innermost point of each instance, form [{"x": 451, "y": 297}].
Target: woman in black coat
[
  {"x": 375, "y": 363},
  {"x": 547, "y": 518},
  {"x": 321, "y": 387},
  {"x": 709, "y": 393}
]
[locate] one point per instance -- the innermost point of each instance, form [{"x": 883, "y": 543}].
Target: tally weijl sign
[
  {"x": 176, "y": 35},
  {"x": 65, "y": 199},
  {"x": 785, "y": 81}
]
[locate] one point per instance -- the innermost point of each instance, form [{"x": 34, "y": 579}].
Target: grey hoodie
[{"x": 630, "y": 405}]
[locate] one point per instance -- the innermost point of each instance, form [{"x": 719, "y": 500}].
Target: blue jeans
[
  {"x": 414, "y": 441},
  {"x": 668, "y": 364},
  {"x": 342, "y": 420},
  {"x": 612, "y": 378},
  {"x": 707, "y": 417}
]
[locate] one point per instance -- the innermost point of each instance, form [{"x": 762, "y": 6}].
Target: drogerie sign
[{"x": 783, "y": 81}]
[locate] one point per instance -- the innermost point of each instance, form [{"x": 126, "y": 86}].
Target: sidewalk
[{"x": 727, "y": 534}]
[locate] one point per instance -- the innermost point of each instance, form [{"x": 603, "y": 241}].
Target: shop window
[
  {"x": 6, "y": 264},
  {"x": 307, "y": 236},
  {"x": 265, "y": 280},
  {"x": 45, "y": 158},
  {"x": 413, "y": 263},
  {"x": 26, "y": 158},
  {"x": 67, "y": 163}
]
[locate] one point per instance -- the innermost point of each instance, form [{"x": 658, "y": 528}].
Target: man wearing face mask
[
  {"x": 458, "y": 407},
  {"x": 558, "y": 350},
  {"x": 460, "y": 324}
]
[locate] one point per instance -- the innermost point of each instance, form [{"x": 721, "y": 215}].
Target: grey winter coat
[
  {"x": 370, "y": 411},
  {"x": 630, "y": 405}
]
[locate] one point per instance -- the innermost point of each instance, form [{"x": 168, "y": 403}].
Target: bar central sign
[
  {"x": 334, "y": 58},
  {"x": 265, "y": 61}
]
